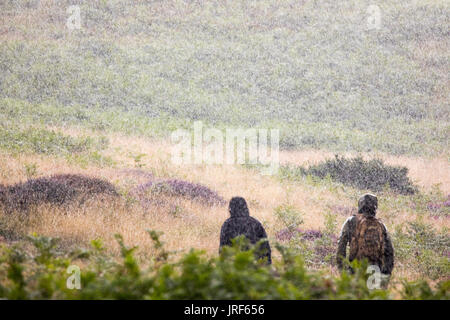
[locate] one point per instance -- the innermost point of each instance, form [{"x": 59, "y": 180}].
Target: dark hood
[
  {"x": 238, "y": 208},
  {"x": 368, "y": 204}
]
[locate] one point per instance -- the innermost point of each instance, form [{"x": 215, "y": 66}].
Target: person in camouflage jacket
[
  {"x": 367, "y": 205},
  {"x": 240, "y": 223}
]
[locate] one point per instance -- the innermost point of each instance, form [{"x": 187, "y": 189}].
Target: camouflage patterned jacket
[
  {"x": 348, "y": 229},
  {"x": 240, "y": 223}
]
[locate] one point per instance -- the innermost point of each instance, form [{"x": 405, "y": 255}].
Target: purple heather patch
[
  {"x": 57, "y": 189},
  {"x": 310, "y": 235},
  {"x": 286, "y": 234},
  {"x": 321, "y": 249},
  {"x": 435, "y": 206},
  {"x": 175, "y": 187}
]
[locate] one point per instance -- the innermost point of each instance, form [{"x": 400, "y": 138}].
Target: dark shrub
[
  {"x": 180, "y": 188},
  {"x": 58, "y": 189},
  {"x": 373, "y": 175}
]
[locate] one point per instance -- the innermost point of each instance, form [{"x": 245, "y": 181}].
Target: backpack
[{"x": 367, "y": 240}]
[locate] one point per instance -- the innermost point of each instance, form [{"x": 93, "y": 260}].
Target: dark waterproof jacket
[{"x": 240, "y": 223}]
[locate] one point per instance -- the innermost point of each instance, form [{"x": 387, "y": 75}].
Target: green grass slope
[{"x": 313, "y": 69}]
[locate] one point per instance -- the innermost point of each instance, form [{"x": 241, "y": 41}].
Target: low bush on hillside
[
  {"x": 180, "y": 188},
  {"x": 356, "y": 172},
  {"x": 45, "y": 273},
  {"x": 58, "y": 190}
]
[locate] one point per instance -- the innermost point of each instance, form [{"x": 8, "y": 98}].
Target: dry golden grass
[{"x": 190, "y": 224}]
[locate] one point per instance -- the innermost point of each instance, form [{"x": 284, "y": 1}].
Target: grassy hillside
[
  {"x": 311, "y": 68},
  {"x": 102, "y": 101}
]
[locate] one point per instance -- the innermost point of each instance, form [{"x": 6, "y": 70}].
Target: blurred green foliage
[{"x": 42, "y": 274}]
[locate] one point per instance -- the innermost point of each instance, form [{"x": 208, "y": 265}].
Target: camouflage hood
[
  {"x": 368, "y": 204},
  {"x": 238, "y": 208}
]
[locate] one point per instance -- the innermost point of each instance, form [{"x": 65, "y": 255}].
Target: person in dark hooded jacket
[{"x": 240, "y": 223}]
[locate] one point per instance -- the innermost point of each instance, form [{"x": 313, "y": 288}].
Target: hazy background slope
[{"x": 311, "y": 68}]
